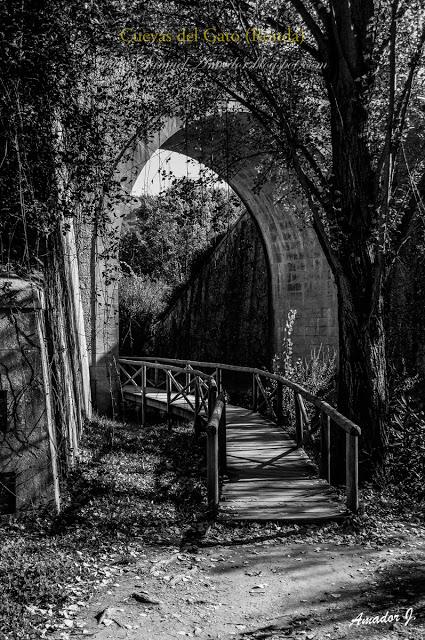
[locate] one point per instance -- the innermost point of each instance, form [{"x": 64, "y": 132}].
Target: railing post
[
  {"x": 168, "y": 391},
  {"x": 218, "y": 374},
  {"x": 352, "y": 471},
  {"x": 299, "y": 421},
  {"x": 279, "y": 403},
  {"x": 222, "y": 444},
  {"x": 254, "y": 393},
  {"x": 143, "y": 390},
  {"x": 197, "y": 404},
  {"x": 156, "y": 375},
  {"x": 212, "y": 468},
  {"x": 212, "y": 396},
  {"x": 325, "y": 447},
  {"x": 187, "y": 383}
]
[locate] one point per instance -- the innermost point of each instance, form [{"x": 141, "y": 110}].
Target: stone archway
[{"x": 300, "y": 277}]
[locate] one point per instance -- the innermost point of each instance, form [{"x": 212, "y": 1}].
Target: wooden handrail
[
  {"x": 344, "y": 423},
  {"x": 204, "y": 386},
  {"x": 157, "y": 365}
]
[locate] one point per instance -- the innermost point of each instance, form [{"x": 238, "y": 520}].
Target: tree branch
[
  {"x": 415, "y": 201},
  {"x": 311, "y": 24},
  {"x": 321, "y": 11},
  {"x": 316, "y": 54},
  {"x": 403, "y": 103},
  {"x": 344, "y": 26}
]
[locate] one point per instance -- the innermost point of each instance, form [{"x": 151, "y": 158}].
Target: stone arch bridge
[{"x": 299, "y": 275}]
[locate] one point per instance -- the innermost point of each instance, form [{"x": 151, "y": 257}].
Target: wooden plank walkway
[{"x": 268, "y": 477}]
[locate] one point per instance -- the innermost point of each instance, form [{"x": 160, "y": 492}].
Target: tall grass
[
  {"x": 317, "y": 373},
  {"x": 141, "y": 300}
]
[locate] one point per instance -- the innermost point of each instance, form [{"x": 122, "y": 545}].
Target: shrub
[
  {"x": 141, "y": 300},
  {"x": 316, "y": 373},
  {"x": 405, "y": 465}
]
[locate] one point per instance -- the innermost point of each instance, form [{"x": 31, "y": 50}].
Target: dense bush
[
  {"x": 170, "y": 237},
  {"x": 405, "y": 468},
  {"x": 141, "y": 301},
  {"x": 172, "y": 230},
  {"x": 316, "y": 373}
]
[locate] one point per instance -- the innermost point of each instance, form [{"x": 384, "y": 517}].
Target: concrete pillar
[{"x": 28, "y": 464}]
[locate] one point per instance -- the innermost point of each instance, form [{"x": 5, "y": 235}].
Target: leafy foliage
[
  {"x": 169, "y": 236},
  {"x": 342, "y": 113},
  {"x": 405, "y": 471},
  {"x": 142, "y": 299},
  {"x": 172, "y": 229},
  {"x": 342, "y": 117},
  {"x": 317, "y": 374},
  {"x": 136, "y": 491}
]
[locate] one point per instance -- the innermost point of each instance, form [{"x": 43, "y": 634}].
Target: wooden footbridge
[{"x": 255, "y": 470}]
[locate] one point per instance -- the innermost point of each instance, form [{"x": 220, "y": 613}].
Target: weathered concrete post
[{"x": 28, "y": 450}]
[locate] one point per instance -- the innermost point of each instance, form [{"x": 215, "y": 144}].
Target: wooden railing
[
  {"x": 199, "y": 391},
  {"x": 186, "y": 383},
  {"x": 271, "y": 399}
]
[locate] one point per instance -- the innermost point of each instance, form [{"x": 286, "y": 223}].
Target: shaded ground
[
  {"x": 135, "y": 523},
  {"x": 266, "y": 590}
]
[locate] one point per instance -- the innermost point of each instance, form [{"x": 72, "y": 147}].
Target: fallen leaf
[{"x": 145, "y": 598}]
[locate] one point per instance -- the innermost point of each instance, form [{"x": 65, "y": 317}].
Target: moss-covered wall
[{"x": 223, "y": 313}]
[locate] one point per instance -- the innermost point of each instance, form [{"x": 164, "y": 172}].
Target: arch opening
[
  {"x": 192, "y": 257},
  {"x": 299, "y": 275}
]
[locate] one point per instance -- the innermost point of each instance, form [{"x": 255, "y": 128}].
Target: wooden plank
[
  {"x": 279, "y": 403},
  {"x": 282, "y": 515},
  {"x": 156, "y": 399},
  {"x": 269, "y": 478},
  {"x": 212, "y": 466}
]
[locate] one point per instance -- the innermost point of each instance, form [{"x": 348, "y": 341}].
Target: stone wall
[
  {"x": 44, "y": 378},
  {"x": 223, "y": 313},
  {"x": 28, "y": 469}
]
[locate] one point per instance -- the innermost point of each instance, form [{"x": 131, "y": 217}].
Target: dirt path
[{"x": 267, "y": 590}]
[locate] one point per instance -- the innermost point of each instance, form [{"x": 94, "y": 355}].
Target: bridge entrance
[{"x": 253, "y": 465}]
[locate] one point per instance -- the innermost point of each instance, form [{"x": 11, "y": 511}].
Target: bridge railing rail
[
  {"x": 272, "y": 399},
  {"x": 187, "y": 384}
]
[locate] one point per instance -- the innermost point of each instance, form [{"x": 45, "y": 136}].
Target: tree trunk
[{"x": 362, "y": 381}]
